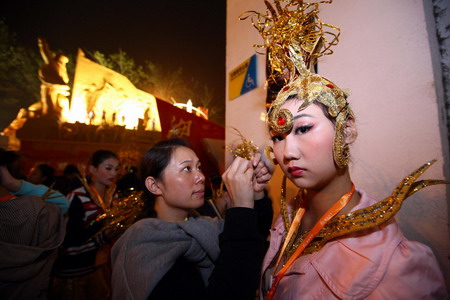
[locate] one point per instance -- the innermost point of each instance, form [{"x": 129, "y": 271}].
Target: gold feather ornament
[{"x": 246, "y": 149}]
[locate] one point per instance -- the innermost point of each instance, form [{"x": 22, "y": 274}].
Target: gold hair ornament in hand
[{"x": 247, "y": 149}]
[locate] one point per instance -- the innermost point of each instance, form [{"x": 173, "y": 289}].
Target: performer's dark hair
[{"x": 100, "y": 156}]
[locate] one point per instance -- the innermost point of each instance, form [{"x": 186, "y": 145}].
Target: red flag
[{"x": 176, "y": 122}]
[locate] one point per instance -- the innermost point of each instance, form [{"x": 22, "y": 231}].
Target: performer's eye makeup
[
  {"x": 303, "y": 129},
  {"x": 276, "y": 138}
]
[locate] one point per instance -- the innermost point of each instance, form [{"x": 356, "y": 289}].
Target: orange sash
[{"x": 338, "y": 206}]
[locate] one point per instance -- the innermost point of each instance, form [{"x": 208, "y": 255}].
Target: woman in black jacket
[{"x": 172, "y": 255}]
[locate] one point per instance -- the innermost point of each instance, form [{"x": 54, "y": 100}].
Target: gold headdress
[{"x": 295, "y": 38}]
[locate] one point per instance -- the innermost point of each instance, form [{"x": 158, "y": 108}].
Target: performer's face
[
  {"x": 106, "y": 173},
  {"x": 305, "y": 154},
  {"x": 182, "y": 184}
]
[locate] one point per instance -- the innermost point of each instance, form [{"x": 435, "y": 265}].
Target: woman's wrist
[
  {"x": 259, "y": 195},
  {"x": 249, "y": 203},
  {"x": 246, "y": 205}
]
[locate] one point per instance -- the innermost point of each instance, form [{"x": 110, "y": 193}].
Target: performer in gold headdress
[{"x": 332, "y": 241}]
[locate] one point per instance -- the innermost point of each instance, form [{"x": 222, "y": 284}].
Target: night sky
[{"x": 186, "y": 34}]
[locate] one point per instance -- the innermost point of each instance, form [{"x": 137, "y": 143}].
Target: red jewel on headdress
[
  {"x": 281, "y": 120},
  {"x": 286, "y": 88},
  {"x": 330, "y": 86}
]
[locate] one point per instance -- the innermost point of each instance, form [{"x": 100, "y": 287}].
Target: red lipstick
[{"x": 296, "y": 171}]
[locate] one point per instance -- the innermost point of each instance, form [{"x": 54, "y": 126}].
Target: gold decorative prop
[
  {"x": 122, "y": 213},
  {"x": 118, "y": 212},
  {"x": 247, "y": 149}
]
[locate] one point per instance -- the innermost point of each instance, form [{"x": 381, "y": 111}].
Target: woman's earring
[
  {"x": 341, "y": 150},
  {"x": 268, "y": 151}
]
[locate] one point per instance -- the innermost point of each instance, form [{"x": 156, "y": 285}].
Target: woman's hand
[
  {"x": 262, "y": 175},
  {"x": 238, "y": 179}
]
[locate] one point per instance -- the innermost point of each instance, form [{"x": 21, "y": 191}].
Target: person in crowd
[
  {"x": 82, "y": 269},
  {"x": 42, "y": 174},
  {"x": 15, "y": 163},
  {"x": 129, "y": 182},
  {"x": 173, "y": 255},
  {"x": 31, "y": 231},
  {"x": 331, "y": 241},
  {"x": 69, "y": 181},
  {"x": 16, "y": 185}
]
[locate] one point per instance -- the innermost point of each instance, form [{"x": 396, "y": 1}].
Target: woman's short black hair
[{"x": 154, "y": 162}]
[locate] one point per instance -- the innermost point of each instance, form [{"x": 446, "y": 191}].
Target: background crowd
[{"x": 65, "y": 220}]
